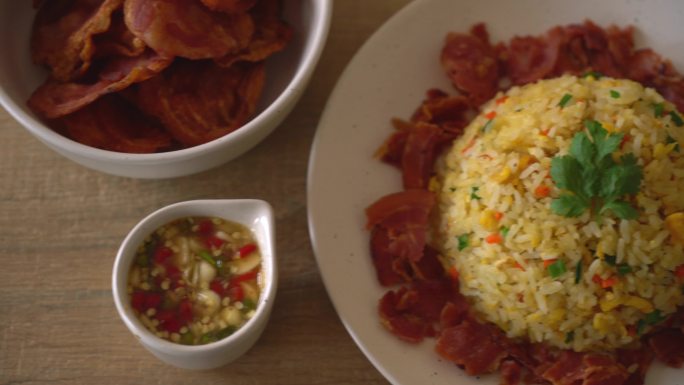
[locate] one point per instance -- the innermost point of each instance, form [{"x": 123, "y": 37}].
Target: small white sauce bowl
[{"x": 257, "y": 216}]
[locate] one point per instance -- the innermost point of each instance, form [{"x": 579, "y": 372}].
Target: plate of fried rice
[{"x": 533, "y": 232}]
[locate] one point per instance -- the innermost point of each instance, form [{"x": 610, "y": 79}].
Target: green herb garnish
[
  {"x": 658, "y": 109},
  {"x": 578, "y": 272},
  {"x": 564, "y": 100},
  {"x": 473, "y": 193},
  {"x": 592, "y": 179},
  {"x": 556, "y": 269},
  {"x": 676, "y": 119},
  {"x": 463, "y": 242},
  {"x": 504, "y": 231},
  {"x": 614, "y": 94}
]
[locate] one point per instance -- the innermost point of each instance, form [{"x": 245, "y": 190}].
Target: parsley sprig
[{"x": 592, "y": 179}]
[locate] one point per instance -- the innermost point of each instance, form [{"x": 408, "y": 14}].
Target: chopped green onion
[
  {"x": 624, "y": 269},
  {"x": 504, "y": 231},
  {"x": 556, "y": 269},
  {"x": 594, "y": 74},
  {"x": 564, "y": 100},
  {"x": 462, "y": 242},
  {"x": 610, "y": 259},
  {"x": 487, "y": 126},
  {"x": 658, "y": 109},
  {"x": 207, "y": 257},
  {"x": 186, "y": 339},
  {"x": 473, "y": 193},
  {"x": 670, "y": 140},
  {"x": 578, "y": 272},
  {"x": 676, "y": 119},
  {"x": 614, "y": 94},
  {"x": 569, "y": 336}
]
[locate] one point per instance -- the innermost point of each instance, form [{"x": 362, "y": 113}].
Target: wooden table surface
[{"x": 61, "y": 225}]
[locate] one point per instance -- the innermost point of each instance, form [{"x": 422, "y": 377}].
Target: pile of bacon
[
  {"x": 144, "y": 76},
  {"x": 428, "y": 303}
]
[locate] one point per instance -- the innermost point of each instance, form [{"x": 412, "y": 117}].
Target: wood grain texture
[{"x": 61, "y": 224}]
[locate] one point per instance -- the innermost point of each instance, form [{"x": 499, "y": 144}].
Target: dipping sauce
[{"x": 196, "y": 280}]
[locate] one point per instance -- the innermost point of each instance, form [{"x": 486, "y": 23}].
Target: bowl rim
[
  {"x": 320, "y": 19},
  {"x": 163, "y": 215}
]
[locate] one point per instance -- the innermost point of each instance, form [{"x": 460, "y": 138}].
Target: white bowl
[
  {"x": 256, "y": 215},
  {"x": 288, "y": 73}
]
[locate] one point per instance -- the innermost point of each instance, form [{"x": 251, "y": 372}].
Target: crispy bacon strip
[
  {"x": 420, "y": 152},
  {"x": 471, "y": 63},
  {"x": 63, "y": 32},
  {"x": 405, "y": 217},
  {"x": 229, "y": 6},
  {"x": 118, "y": 40},
  {"x": 198, "y": 101},
  {"x": 112, "y": 124},
  {"x": 187, "y": 29},
  {"x": 668, "y": 346},
  {"x": 473, "y": 346},
  {"x": 271, "y": 35},
  {"x": 54, "y": 99},
  {"x": 413, "y": 312}
]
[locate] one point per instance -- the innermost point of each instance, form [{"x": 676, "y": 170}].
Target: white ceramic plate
[{"x": 388, "y": 78}]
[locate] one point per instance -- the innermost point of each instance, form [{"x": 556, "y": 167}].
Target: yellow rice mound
[{"x": 488, "y": 183}]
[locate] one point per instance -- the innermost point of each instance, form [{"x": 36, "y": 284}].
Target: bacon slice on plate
[
  {"x": 271, "y": 35},
  {"x": 112, "y": 124},
  {"x": 668, "y": 346},
  {"x": 642, "y": 358},
  {"x": 473, "y": 346},
  {"x": 413, "y": 312},
  {"x": 511, "y": 372},
  {"x": 229, "y": 6},
  {"x": 54, "y": 99},
  {"x": 405, "y": 217},
  {"x": 420, "y": 152},
  {"x": 573, "y": 368},
  {"x": 187, "y": 29},
  {"x": 449, "y": 113},
  {"x": 63, "y": 32},
  {"x": 472, "y": 64},
  {"x": 198, "y": 101}
]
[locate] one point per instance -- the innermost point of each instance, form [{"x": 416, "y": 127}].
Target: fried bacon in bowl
[{"x": 156, "y": 88}]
